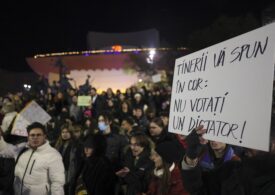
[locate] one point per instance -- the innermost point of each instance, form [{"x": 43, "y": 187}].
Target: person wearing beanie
[
  {"x": 166, "y": 178},
  {"x": 96, "y": 175}
]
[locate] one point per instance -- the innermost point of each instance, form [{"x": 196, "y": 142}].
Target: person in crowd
[
  {"x": 251, "y": 176},
  {"x": 216, "y": 154},
  {"x": 141, "y": 118},
  {"x": 138, "y": 102},
  {"x": 158, "y": 132},
  {"x": 150, "y": 113},
  {"x": 166, "y": 179},
  {"x": 71, "y": 155},
  {"x": 125, "y": 110},
  {"x": 39, "y": 168},
  {"x": 9, "y": 114},
  {"x": 60, "y": 102},
  {"x": 111, "y": 107},
  {"x": 137, "y": 165},
  {"x": 7, "y": 164},
  {"x": 97, "y": 103},
  {"x": 75, "y": 110},
  {"x": 89, "y": 126},
  {"x": 96, "y": 175},
  {"x": 129, "y": 94},
  {"x": 129, "y": 127},
  {"x": 115, "y": 143},
  {"x": 77, "y": 133}
]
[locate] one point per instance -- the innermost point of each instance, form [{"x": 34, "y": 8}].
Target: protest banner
[
  {"x": 31, "y": 113},
  {"x": 228, "y": 89},
  {"x": 84, "y": 100}
]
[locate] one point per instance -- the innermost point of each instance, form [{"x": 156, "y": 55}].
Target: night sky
[{"x": 44, "y": 27}]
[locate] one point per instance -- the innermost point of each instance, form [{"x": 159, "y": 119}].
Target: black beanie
[
  {"x": 168, "y": 151},
  {"x": 97, "y": 142}
]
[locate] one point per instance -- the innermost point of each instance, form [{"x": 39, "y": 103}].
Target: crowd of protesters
[{"x": 120, "y": 145}]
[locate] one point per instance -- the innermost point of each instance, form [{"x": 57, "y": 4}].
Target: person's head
[
  {"x": 165, "y": 153},
  {"x": 129, "y": 91},
  {"x": 59, "y": 95},
  {"x": 8, "y": 107},
  {"x": 127, "y": 124},
  {"x": 156, "y": 127},
  {"x": 150, "y": 113},
  {"x": 138, "y": 112},
  {"x": 72, "y": 92},
  {"x": 121, "y": 97},
  {"x": 36, "y": 135},
  {"x": 125, "y": 107},
  {"x": 77, "y": 131},
  {"x": 95, "y": 145},
  {"x": 109, "y": 92},
  {"x": 74, "y": 99},
  {"x": 217, "y": 146},
  {"x": 93, "y": 92},
  {"x": 139, "y": 143},
  {"x": 66, "y": 133},
  {"x": 165, "y": 118},
  {"x": 138, "y": 97},
  {"x": 104, "y": 122}
]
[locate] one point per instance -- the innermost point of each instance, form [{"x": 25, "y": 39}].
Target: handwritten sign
[
  {"x": 84, "y": 100},
  {"x": 228, "y": 89},
  {"x": 31, "y": 113}
]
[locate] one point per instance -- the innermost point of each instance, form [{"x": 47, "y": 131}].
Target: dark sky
[{"x": 42, "y": 27}]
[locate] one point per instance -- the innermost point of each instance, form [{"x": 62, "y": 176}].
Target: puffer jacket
[{"x": 39, "y": 172}]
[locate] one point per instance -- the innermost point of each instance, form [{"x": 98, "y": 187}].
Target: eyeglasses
[{"x": 35, "y": 135}]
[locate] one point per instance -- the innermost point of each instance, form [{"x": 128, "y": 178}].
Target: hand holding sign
[{"x": 195, "y": 142}]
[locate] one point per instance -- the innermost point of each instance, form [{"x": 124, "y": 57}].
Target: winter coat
[
  {"x": 251, "y": 176},
  {"x": 175, "y": 184},
  {"x": 209, "y": 162},
  {"x": 39, "y": 172},
  {"x": 6, "y": 174},
  {"x": 137, "y": 180},
  {"x": 71, "y": 155},
  {"x": 115, "y": 148},
  {"x": 98, "y": 176}
]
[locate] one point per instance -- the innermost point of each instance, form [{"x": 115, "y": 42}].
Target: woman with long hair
[
  {"x": 71, "y": 155},
  {"x": 166, "y": 178}
]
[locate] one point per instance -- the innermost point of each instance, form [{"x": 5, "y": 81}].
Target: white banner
[
  {"x": 228, "y": 89},
  {"x": 31, "y": 113}
]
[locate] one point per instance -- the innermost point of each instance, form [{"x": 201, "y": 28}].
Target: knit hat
[
  {"x": 168, "y": 151},
  {"x": 97, "y": 142}
]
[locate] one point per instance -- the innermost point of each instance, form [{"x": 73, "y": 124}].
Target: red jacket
[{"x": 175, "y": 187}]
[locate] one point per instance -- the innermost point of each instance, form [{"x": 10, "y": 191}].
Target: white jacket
[{"x": 41, "y": 171}]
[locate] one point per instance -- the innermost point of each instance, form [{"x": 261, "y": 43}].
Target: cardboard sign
[
  {"x": 156, "y": 78},
  {"x": 31, "y": 113},
  {"x": 228, "y": 89},
  {"x": 84, "y": 100}
]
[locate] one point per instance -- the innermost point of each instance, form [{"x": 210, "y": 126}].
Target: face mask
[{"x": 102, "y": 126}]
